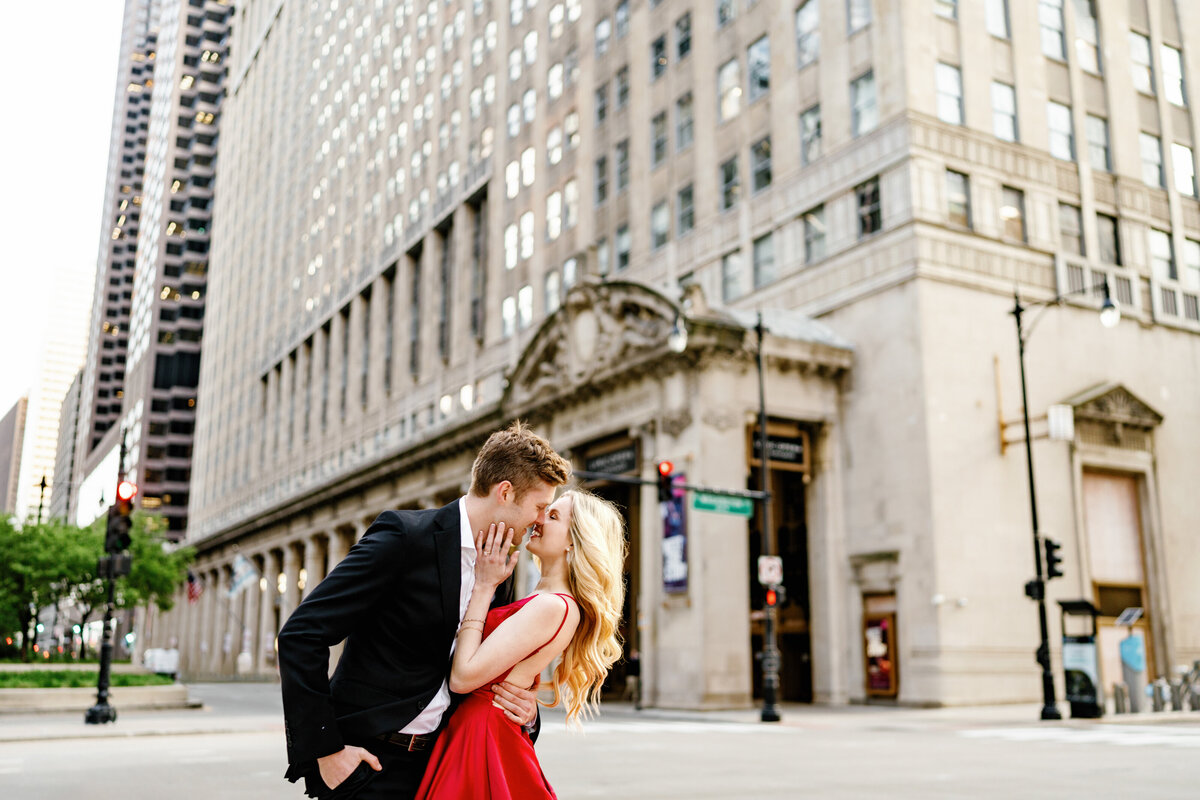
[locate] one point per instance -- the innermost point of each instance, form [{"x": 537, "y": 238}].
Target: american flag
[{"x": 194, "y": 588}]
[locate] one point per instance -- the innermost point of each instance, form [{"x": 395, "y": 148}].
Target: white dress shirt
[{"x": 431, "y": 717}]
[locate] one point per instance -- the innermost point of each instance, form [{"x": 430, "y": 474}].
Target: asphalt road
[{"x": 822, "y": 753}]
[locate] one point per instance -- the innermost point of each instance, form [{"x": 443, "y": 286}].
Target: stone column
[
  {"x": 315, "y": 373},
  {"x": 248, "y": 643},
  {"x": 827, "y": 569},
  {"x": 224, "y": 623},
  {"x": 291, "y": 590},
  {"x": 285, "y": 406},
  {"x": 379, "y": 326},
  {"x": 314, "y": 562},
  {"x": 271, "y": 433},
  {"x": 264, "y": 656},
  {"x": 338, "y": 547},
  {"x": 354, "y": 381}
]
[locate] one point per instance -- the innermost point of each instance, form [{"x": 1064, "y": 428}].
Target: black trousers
[{"x": 399, "y": 779}]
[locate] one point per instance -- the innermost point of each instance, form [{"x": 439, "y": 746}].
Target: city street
[{"x": 234, "y": 749}]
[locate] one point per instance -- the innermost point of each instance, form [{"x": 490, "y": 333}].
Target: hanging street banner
[
  {"x": 721, "y": 504},
  {"x": 244, "y": 574},
  {"x": 674, "y": 544}
]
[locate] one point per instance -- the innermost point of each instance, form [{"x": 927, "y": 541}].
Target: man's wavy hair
[{"x": 519, "y": 456}]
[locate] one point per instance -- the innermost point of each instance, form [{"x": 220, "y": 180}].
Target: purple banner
[{"x": 674, "y": 544}]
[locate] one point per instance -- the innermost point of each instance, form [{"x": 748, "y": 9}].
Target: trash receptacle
[{"x": 1081, "y": 664}]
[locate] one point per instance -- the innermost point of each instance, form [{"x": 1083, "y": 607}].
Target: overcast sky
[{"x": 60, "y": 66}]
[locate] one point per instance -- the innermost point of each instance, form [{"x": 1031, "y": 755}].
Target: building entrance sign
[{"x": 617, "y": 462}]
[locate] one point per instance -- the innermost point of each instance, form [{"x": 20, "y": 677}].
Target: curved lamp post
[{"x": 1110, "y": 315}]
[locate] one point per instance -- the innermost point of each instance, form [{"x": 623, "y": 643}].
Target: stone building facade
[{"x": 485, "y": 211}]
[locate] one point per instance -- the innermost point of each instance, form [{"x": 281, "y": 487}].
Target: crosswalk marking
[
  {"x": 1121, "y": 735},
  {"x": 666, "y": 727}
]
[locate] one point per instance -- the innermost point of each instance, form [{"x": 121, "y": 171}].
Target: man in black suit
[{"x": 397, "y": 600}]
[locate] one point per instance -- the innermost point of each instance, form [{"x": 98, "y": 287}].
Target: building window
[
  {"x": 946, "y": 8},
  {"x": 864, "y": 115},
  {"x": 729, "y": 90},
  {"x": 1184, "y": 167},
  {"x": 514, "y": 127},
  {"x": 603, "y": 34},
  {"x": 731, "y": 276},
  {"x": 1143, "y": 69},
  {"x": 551, "y": 293},
  {"x": 526, "y": 235},
  {"x": 684, "y": 122},
  {"x": 764, "y": 261},
  {"x": 571, "y": 203},
  {"x": 1004, "y": 111},
  {"x": 508, "y": 317},
  {"x": 730, "y": 187},
  {"x": 958, "y": 199},
  {"x": 726, "y": 11},
  {"x": 660, "y": 224},
  {"x": 1097, "y": 136},
  {"x": 810, "y": 136},
  {"x": 758, "y": 67},
  {"x": 528, "y": 166},
  {"x": 1172, "y": 70},
  {"x": 622, "y": 17},
  {"x": 658, "y": 58},
  {"x": 658, "y": 138},
  {"x": 1162, "y": 256},
  {"x": 1050, "y": 15},
  {"x": 601, "y": 104},
  {"x": 1152, "y": 166},
  {"x": 1087, "y": 36},
  {"x": 602, "y": 260},
  {"x": 808, "y": 32},
  {"x": 858, "y": 14},
  {"x": 870, "y": 217},
  {"x": 949, "y": 94},
  {"x": 997, "y": 18},
  {"x": 529, "y": 104},
  {"x": 1070, "y": 229},
  {"x": 1108, "y": 239},
  {"x": 624, "y": 245},
  {"x": 760, "y": 163},
  {"x": 511, "y": 247},
  {"x": 1191, "y": 265},
  {"x": 687, "y": 210},
  {"x": 570, "y": 268},
  {"x": 622, "y": 81},
  {"x": 553, "y": 216},
  {"x": 814, "y": 235},
  {"x": 622, "y": 165},
  {"x": 683, "y": 36},
  {"x": 1062, "y": 131},
  {"x": 1012, "y": 213},
  {"x": 554, "y": 81},
  {"x": 601, "y": 180},
  {"x": 525, "y": 307},
  {"x": 554, "y": 145}
]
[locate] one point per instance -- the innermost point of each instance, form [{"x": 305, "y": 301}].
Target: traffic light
[
  {"x": 772, "y": 597},
  {"x": 116, "y": 538},
  {"x": 1053, "y": 559},
  {"x": 776, "y": 595},
  {"x": 666, "y": 491}
]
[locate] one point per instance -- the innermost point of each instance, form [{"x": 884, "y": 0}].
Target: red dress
[{"x": 482, "y": 755}]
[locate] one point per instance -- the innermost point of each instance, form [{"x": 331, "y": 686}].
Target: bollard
[
  {"x": 1177, "y": 695},
  {"x": 1158, "y": 695},
  {"x": 1120, "y": 699}
]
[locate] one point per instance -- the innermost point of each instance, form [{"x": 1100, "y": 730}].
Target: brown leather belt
[{"x": 409, "y": 741}]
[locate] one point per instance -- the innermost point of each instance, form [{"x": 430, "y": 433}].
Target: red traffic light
[
  {"x": 665, "y": 468},
  {"x": 126, "y": 490},
  {"x": 772, "y": 597}
]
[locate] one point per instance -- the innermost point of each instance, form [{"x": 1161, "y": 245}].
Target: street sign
[
  {"x": 722, "y": 504},
  {"x": 1129, "y": 616},
  {"x": 770, "y": 570}
]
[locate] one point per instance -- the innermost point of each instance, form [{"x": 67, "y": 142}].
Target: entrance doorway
[
  {"x": 1113, "y": 518},
  {"x": 618, "y": 684},
  {"x": 795, "y": 644}
]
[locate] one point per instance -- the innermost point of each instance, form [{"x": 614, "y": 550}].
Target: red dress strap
[{"x": 566, "y": 613}]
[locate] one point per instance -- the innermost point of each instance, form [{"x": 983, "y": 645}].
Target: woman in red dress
[{"x": 573, "y": 612}]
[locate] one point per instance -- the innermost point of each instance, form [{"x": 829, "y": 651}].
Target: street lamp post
[
  {"x": 770, "y": 654},
  {"x": 1110, "y": 315}
]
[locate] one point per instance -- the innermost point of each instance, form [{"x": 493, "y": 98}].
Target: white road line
[{"x": 1132, "y": 736}]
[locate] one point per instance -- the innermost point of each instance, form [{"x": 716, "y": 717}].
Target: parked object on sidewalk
[
  {"x": 1120, "y": 698},
  {"x": 1081, "y": 664},
  {"x": 163, "y": 660}
]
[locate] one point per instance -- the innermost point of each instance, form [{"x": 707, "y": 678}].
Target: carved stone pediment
[
  {"x": 1113, "y": 404},
  {"x": 600, "y": 330}
]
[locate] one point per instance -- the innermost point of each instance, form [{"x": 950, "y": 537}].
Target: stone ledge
[{"x": 123, "y": 698}]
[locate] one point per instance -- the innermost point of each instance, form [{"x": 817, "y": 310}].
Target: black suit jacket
[{"x": 394, "y": 600}]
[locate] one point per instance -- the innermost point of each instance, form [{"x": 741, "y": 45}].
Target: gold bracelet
[
  {"x": 472, "y": 620},
  {"x": 465, "y": 627}
]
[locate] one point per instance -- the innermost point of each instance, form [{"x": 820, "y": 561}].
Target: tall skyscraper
[
  {"x": 12, "y": 436},
  {"x": 148, "y": 317},
  {"x": 408, "y": 190},
  {"x": 63, "y": 495}
]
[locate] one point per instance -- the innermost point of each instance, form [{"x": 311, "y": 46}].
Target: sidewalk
[{"x": 251, "y": 708}]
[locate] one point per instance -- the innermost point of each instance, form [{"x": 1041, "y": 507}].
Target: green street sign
[{"x": 722, "y": 504}]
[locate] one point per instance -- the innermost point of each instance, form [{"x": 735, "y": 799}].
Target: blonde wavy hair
[{"x": 595, "y": 569}]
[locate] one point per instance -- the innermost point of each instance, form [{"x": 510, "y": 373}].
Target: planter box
[{"x": 127, "y": 698}]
